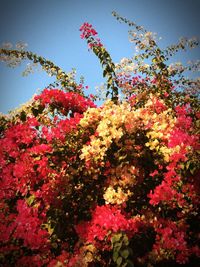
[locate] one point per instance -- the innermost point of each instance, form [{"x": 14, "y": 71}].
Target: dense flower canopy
[{"x": 115, "y": 185}]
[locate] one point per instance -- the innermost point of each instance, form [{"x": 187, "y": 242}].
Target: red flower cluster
[
  {"x": 28, "y": 227},
  {"x": 61, "y": 128},
  {"x": 32, "y": 176},
  {"x": 171, "y": 236},
  {"x": 168, "y": 191},
  {"x": 159, "y": 106},
  {"x": 107, "y": 219},
  {"x": 64, "y": 101}
]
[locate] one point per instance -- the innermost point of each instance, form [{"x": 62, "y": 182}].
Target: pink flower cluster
[{"x": 89, "y": 33}]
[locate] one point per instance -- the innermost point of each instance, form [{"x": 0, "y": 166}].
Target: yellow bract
[
  {"x": 110, "y": 120},
  {"x": 116, "y": 196}
]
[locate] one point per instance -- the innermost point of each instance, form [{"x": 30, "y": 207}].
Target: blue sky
[{"x": 51, "y": 29}]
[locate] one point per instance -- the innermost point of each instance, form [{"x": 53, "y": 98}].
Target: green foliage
[{"x": 121, "y": 250}]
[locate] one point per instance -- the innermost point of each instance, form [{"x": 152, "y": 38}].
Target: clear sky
[{"x": 51, "y": 29}]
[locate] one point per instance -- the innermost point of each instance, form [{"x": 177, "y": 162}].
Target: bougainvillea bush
[{"x": 110, "y": 185}]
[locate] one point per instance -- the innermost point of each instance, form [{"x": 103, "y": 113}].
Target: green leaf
[
  {"x": 105, "y": 73},
  {"x": 117, "y": 246},
  {"x": 23, "y": 116},
  {"x": 124, "y": 253},
  {"x": 116, "y": 238},
  {"x": 192, "y": 170},
  {"x": 110, "y": 80},
  {"x": 130, "y": 263},
  {"x": 119, "y": 261},
  {"x": 115, "y": 255},
  {"x": 125, "y": 240},
  {"x": 35, "y": 111},
  {"x": 187, "y": 165},
  {"x": 30, "y": 200}
]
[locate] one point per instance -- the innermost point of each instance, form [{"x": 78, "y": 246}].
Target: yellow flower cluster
[
  {"x": 91, "y": 116},
  {"x": 87, "y": 254},
  {"x": 123, "y": 175},
  {"x": 161, "y": 125},
  {"x": 121, "y": 179},
  {"x": 110, "y": 119},
  {"x": 116, "y": 196}
]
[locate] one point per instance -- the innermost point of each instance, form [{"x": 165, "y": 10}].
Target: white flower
[
  {"x": 21, "y": 45},
  {"x": 7, "y": 45},
  {"x": 124, "y": 60}
]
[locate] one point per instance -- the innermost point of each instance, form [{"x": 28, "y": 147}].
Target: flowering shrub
[{"x": 115, "y": 185}]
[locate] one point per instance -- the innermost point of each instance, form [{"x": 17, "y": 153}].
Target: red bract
[
  {"x": 159, "y": 106},
  {"x": 28, "y": 227},
  {"x": 33, "y": 261},
  {"x": 61, "y": 128},
  {"x": 171, "y": 237},
  {"x": 18, "y": 135},
  {"x": 6, "y": 224},
  {"x": 88, "y": 32},
  {"x": 16, "y": 140},
  {"x": 106, "y": 219},
  {"x": 28, "y": 170},
  {"x": 165, "y": 193},
  {"x": 64, "y": 101}
]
